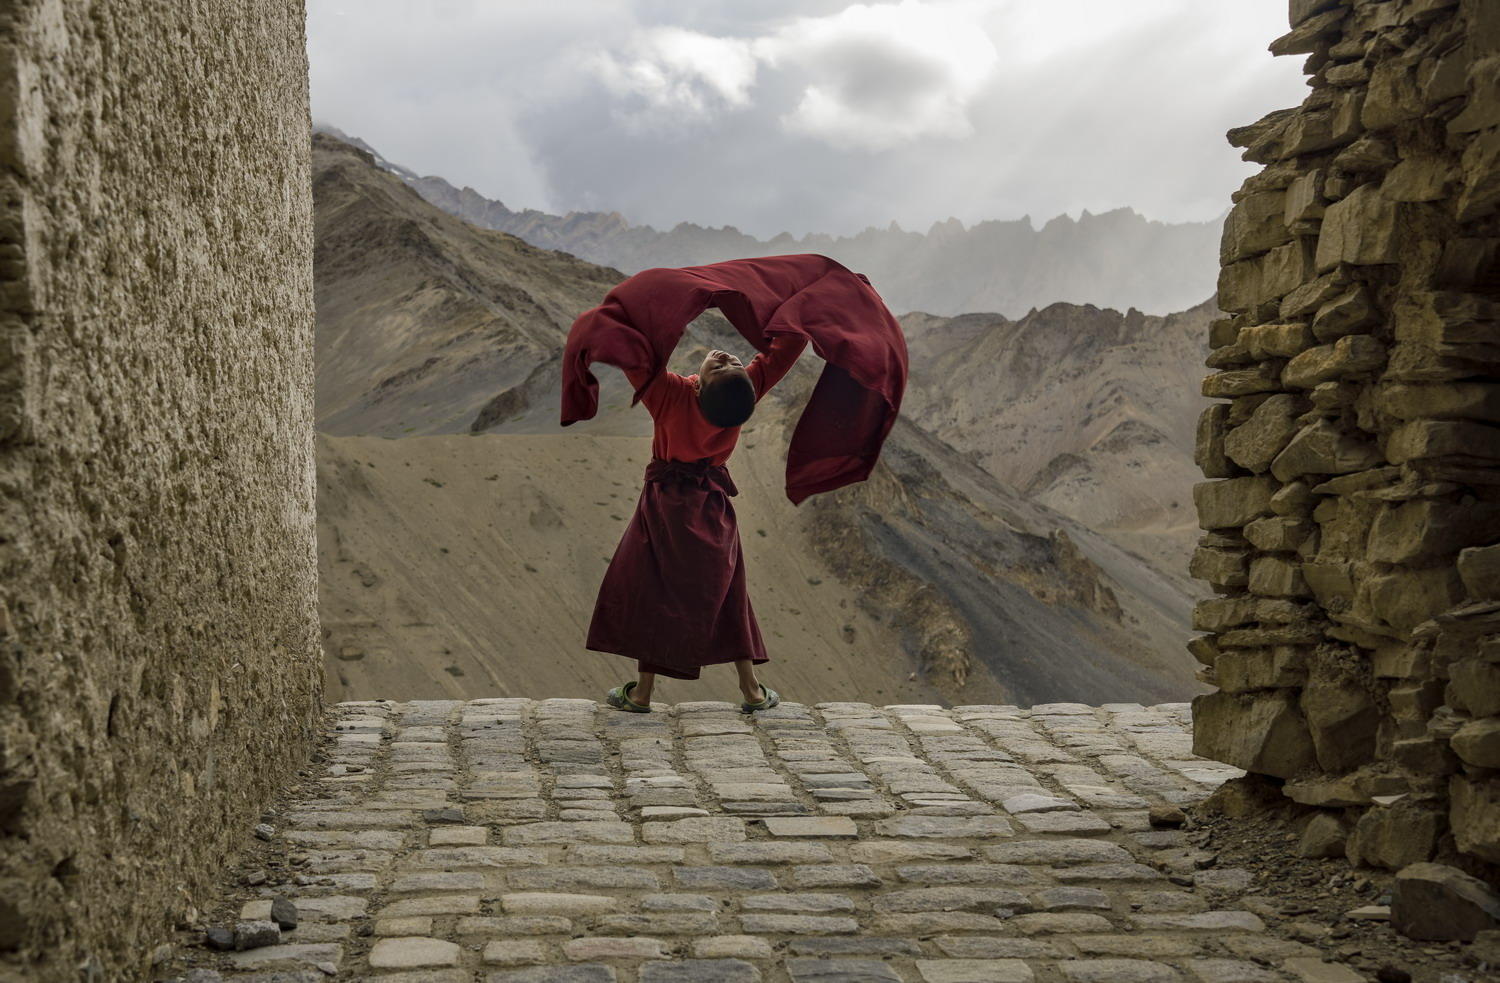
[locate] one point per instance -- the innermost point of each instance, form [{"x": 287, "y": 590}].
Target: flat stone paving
[{"x": 559, "y": 841}]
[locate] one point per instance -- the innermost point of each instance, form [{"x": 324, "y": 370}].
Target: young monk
[{"x": 674, "y": 596}]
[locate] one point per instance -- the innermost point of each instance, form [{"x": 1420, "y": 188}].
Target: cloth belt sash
[{"x": 698, "y": 474}]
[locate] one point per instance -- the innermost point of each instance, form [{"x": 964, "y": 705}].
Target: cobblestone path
[{"x": 558, "y": 841}]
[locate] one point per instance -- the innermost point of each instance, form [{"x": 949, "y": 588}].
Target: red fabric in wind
[{"x": 854, "y": 404}]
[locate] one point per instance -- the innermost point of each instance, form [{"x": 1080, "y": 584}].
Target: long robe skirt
[{"x": 674, "y": 596}]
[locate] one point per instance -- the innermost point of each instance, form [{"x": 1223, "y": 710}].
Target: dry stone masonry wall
[
  {"x": 159, "y": 674},
  {"x": 1353, "y": 516}
]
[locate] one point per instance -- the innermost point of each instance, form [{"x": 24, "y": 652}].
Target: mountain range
[
  {"x": 1117, "y": 259},
  {"x": 1085, "y": 410},
  {"x": 463, "y": 532}
]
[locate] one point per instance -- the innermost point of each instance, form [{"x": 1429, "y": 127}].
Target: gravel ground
[{"x": 1309, "y": 900}]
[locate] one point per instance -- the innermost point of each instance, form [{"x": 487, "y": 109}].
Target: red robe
[
  {"x": 682, "y": 433},
  {"x": 838, "y": 437},
  {"x": 674, "y": 596}
]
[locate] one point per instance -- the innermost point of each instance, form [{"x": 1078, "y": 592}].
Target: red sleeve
[
  {"x": 637, "y": 376},
  {"x": 767, "y": 368},
  {"x": 661, "y": 390}
]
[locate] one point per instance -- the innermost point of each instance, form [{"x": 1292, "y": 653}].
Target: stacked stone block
[{"x": 1352, "y": 516}]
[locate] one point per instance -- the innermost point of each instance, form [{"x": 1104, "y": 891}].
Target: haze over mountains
[
  {"x": 462, "y": 532},
  {"x": 1117, "y": 259}
]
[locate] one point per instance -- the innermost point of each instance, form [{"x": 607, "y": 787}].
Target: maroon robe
[
  {"x": 674, "y": 596},
  {"x": 854, "y": 405}
]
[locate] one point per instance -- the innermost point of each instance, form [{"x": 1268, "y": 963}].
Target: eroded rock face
[
  {"x": 159, "y": 664},
  {"x": 1254, "y": 444},
  {"x": 1353, "y": 509},
  {"x": 1475, "y": 815},
  {"x": 1435, "y": 901},
  {"x": 1342, "y": 718},
  {"x": 1393, "y": 837},
  {"x": 1324, "y": 836},
  {"x": 1262, "y": 732},
  {"x": 1478, "y": 743}
]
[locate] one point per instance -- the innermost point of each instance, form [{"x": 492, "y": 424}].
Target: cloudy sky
[{"x": 810, "y": 115}]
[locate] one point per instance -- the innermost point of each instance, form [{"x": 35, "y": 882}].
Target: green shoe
[
  {"x": 769, "y": 699},
  {"x": 619, "y": 698}
]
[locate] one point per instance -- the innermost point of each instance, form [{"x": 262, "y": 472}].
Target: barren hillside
[
  {"x": 1090, "y": 412},
  {"x": 467, "y": 564},
  {"x": 422, "y": 317}
]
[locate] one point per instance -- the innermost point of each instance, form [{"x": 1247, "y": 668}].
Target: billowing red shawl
[{"x": 840, "y": 433}]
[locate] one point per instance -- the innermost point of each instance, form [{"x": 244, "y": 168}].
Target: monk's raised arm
[
  {"x": 666, "y": 385},
  {"x": 637, "y": 376},
  {"x": 767, "y": 368}
]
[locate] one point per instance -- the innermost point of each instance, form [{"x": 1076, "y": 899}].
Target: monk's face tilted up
[
  {"x": 725, "y": 393},
  {"x": 719, "y": 365}
]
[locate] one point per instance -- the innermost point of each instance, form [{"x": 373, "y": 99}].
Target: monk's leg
[
  {"x": 641, "y": 693},
  {"x": 749, "y": 685}
]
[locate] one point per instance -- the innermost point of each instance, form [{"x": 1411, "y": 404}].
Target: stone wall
[
  {"x": 159, "y": 672},
  {"x": 1354, "y": 511}
]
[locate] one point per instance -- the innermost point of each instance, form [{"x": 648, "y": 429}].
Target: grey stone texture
[
  {"x": 1352, "y": 509},
  {"x": 891, "y": 894},
  {"x": 1434, "y": 901},
  {"x": 160, "y": 673}
]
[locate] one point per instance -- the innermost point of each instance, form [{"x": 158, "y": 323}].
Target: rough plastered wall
[
  {"x": 159, "y": 672},
  {"x": 1354, "y": 515}
]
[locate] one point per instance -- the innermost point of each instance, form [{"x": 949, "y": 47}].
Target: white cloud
[
  {"x": 444, "y": 86},
  {"x": 810, "y": 115},
  {"x": 871, "y": 76},
  {"x": 678, "y": 74},
  {"x": 881, "y": 75}
]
